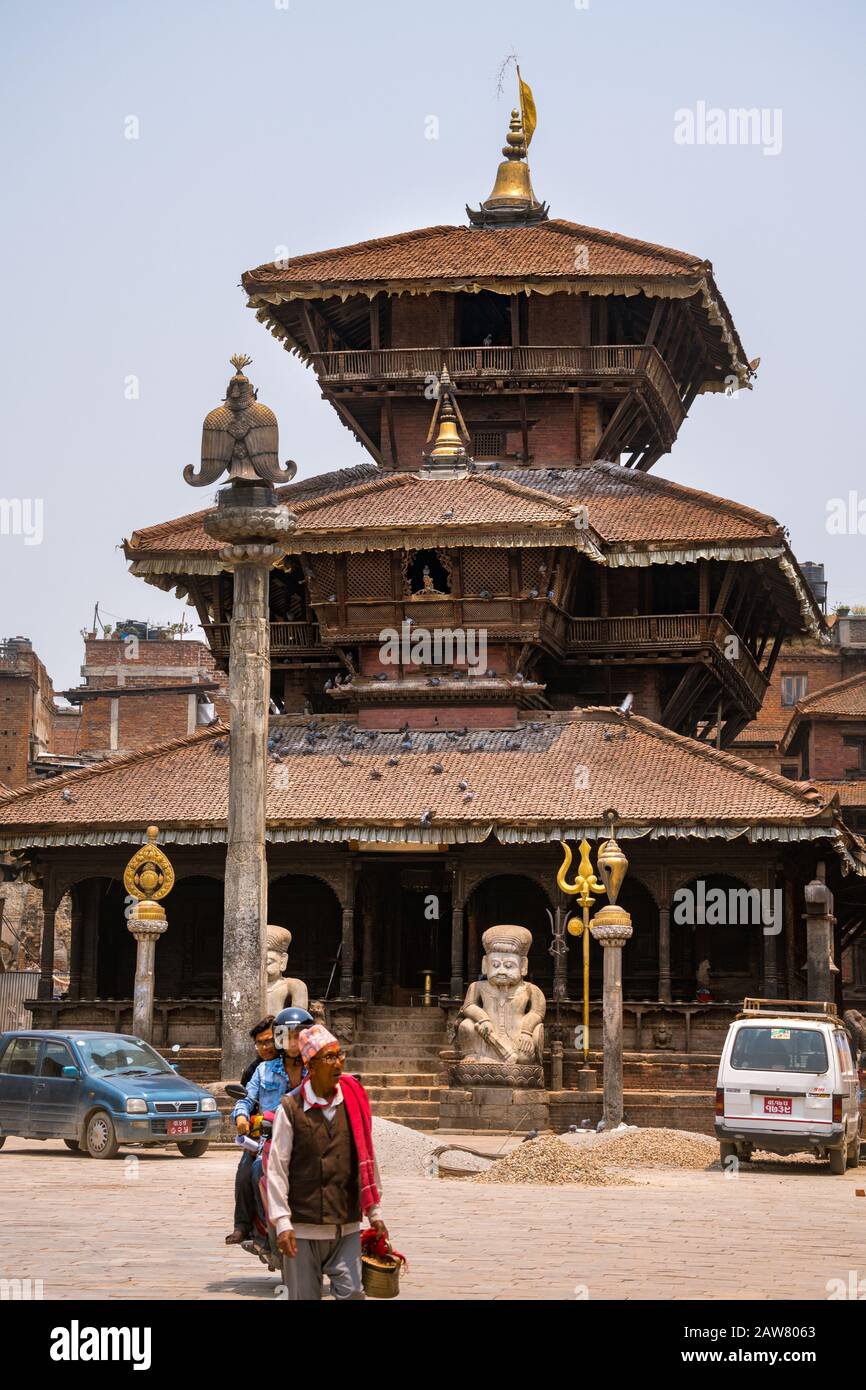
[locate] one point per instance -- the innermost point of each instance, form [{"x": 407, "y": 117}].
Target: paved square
[{"x": 151, "y": 1225}]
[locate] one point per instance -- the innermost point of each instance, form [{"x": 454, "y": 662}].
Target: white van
[{"x": 787, "y": 1084}]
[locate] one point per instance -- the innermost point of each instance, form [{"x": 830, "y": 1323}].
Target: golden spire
[
  {"x": 451, "y": 440},
  {"x": 512, "y": 198}
]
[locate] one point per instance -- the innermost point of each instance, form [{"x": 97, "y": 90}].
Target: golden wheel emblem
[{"x": 148, "y": 875}]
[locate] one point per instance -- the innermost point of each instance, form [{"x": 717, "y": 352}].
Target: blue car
[{"x": 96, "y": 1091}]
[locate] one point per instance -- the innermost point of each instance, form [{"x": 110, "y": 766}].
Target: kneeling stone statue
[{"x": 500, "y": 1026}]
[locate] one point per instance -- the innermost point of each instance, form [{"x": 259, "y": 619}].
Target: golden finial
[
  {"x": 239, "y": 360},
  {"x": 513, "y": 199}
]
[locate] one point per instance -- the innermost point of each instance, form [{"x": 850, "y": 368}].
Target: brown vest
[{"x": 323, "y": 1169}]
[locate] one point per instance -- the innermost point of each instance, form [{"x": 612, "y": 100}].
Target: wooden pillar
[
  {"x": 664, "y": 955},
  {"x": 49, "y": 912},
  {"x": 90, "y": 942},
  {"x": 792, "y": 984},
  {"x": 457, "y": 987},
  {"x": 347, "y": 955},
  {"x": 76, "y": 941},
  {"x": 367, "y": 964},
  {"x": 770, "y": 935}
]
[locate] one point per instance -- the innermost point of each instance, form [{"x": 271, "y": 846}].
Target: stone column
[
  {"x": 792, "y": 985},
  {"x": 819, "y": 938},
  {"x": 664, "y": 955},
  {"x": 249, "y": 518},
  {"x": 611, "y": 926},
  {"x": 147, "y": 926}
]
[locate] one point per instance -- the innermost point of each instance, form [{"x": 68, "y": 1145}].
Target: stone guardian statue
[
  {"x": 283, "y": 992},
  {"x": 501, "y": 1022}
]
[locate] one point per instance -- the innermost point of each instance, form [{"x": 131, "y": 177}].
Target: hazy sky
[{"x": 303, "y": 124}]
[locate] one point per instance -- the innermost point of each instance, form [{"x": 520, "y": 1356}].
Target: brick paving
[{"x": 151, "y": 1225}]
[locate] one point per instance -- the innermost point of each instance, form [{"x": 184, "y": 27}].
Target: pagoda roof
[
  {"x": 549, "y": 257},
  {"x": 634, "y": 518},
  {"x": 522, "y": 788},
  {"x": 449, "y": 253}
]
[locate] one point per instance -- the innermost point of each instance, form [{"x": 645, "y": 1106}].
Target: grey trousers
[{"x": 339, "y": 1259}]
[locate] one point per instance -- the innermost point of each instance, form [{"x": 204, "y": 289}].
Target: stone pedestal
[
  {"x": 611, "y": 926},
  {"x": 499, "y": 1108},
  {"x": 147, "y": 924}
]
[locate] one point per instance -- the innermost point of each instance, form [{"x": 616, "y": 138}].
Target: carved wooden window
[
  {"x": 369, "y": 575},
  {"x": 324, "y": 577},
  {"x": 485, "y": 570},
  {"x": 488, "y": 444},
  {"x": 534, "y": 571},
  {"x": 427, "y": 572}
]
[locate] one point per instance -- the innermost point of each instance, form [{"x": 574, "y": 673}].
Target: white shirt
[{"x": 282, "y": 1140}]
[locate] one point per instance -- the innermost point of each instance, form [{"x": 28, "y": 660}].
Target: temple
[{"x": 494, "y": 631}]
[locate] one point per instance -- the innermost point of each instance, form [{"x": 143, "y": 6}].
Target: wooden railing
[
  {"x": 283, "y": 636},
  {"x": 616, "y": 361},
  {"x": 670, "y": 632}
]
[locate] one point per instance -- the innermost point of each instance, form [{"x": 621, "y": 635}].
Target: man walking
[{"x": 322, "y": 1175}]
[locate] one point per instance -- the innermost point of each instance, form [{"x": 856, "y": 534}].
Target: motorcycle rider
[
  {"x": 269, "y": 1083},
  {"x": 262, "y": 1034}
]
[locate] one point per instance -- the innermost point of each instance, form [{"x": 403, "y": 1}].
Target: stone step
[
  {"x": 400, "y": 1110},
  {"x": 387, "y": 1079},
  {"x": 199, "y": 1064},
  {"x": 406, "y": 1029},
  {"x": 379, "y": 1094},
  {"x": 385, "y": 1011},
  {"x": 425, "y": 1052}
]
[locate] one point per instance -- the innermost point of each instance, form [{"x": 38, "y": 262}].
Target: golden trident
[{"x": 612, "y": 864}]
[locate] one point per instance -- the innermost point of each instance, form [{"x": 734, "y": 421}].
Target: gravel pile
[
  {"x": 548, "y": 1160},
  {"x": 652, "y": 1148},
  {"x": 405, "y": 1153}
]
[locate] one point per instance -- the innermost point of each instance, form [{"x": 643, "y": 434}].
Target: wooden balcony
[
  {"x": 287, "y": 639},
  {"x": 691, "y": 636},
  {"x": 623, "y": 366}
]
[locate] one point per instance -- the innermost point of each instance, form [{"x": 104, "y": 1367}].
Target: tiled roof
[
  {"x": 846, "y": 699},
  {"x": 624, "y": 506},
  {"x": 843, "y": 700},
  {"x": 447, "y": 252},
  {"x": 851, "y": 793},
  {"x": 557, "y": 770}
]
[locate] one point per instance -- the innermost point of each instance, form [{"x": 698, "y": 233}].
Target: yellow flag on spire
[{"x": 527, "y": 109}]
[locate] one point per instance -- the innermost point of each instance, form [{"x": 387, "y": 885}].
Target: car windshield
[
  {"x": 120, "y": 1057},
  {"x": 779, "y": 1047}
]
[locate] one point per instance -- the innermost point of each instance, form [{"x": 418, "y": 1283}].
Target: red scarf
[{"x": 361, "y": 1122}]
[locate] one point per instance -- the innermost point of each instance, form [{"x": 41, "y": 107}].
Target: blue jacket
[{"x": 265, "y": 1090}]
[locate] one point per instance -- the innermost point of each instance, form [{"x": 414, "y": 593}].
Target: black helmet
[{"x": 289, "y": 1021}]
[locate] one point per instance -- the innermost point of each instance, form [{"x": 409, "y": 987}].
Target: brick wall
[
  {"x": 830, "y": 758},
  {"x": 141, "y": 720}
]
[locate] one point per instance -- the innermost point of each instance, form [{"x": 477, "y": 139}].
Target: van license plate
[
  {"x": 777, "y": 1105},
  {"x": 182, "y": 1126}
]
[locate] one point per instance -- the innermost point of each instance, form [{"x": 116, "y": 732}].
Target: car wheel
[
  {"x": 726, "y": 1151},
  {"x": 73, "y": 1144},
  {"x": 852, "y": 1156},
  {"x": 837, "y": 1160},
  {"x": 100, "y": 1139},
  {"x": 745, "y": 1154},
  {"x": 194, "y": 1148}
]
